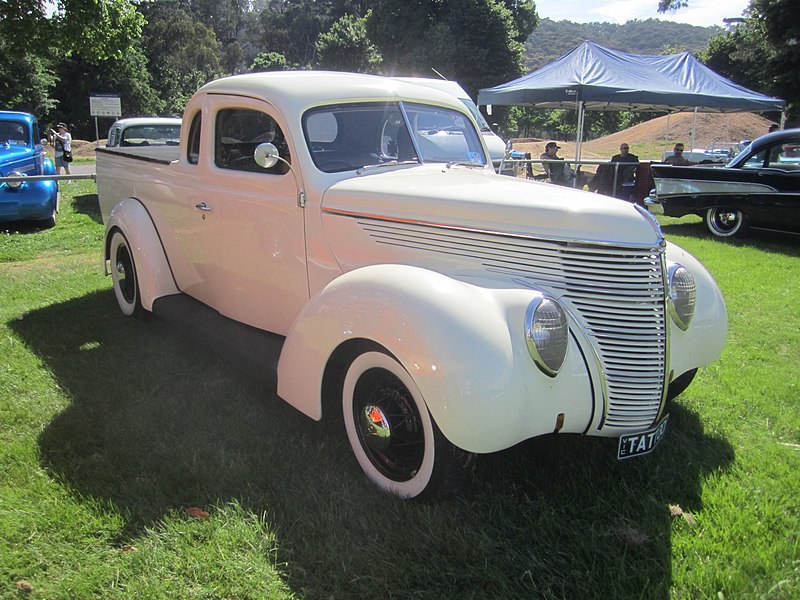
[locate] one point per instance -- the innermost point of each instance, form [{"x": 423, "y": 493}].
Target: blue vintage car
[{"x": 22, "y": 154}]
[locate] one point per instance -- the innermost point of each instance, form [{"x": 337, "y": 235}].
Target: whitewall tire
[
  {"x": 124, "y": 276},
  {"x": 392, "y": 434}
]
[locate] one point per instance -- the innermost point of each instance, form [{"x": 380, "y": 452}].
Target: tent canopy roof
[{"x": 606, "y": 79}]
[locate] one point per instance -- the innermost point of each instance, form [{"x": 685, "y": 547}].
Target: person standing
[
  {"x": 62, "y": 143},
  {"x": 625, "y": 175}
]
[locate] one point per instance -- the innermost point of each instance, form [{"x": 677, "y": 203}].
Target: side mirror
[{"x": 266, "y": 155}]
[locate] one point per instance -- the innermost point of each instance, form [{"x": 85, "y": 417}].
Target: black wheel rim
[
  {"x": 125, "y": 275},
  {"x": 725, "y": 221},
  {"x": 388, "y": 425}
]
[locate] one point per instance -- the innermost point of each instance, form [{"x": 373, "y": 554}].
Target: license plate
[{"x": 637, "y": 444}]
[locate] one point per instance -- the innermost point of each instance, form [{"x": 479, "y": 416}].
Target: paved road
[{"x": 82, "y": 168}]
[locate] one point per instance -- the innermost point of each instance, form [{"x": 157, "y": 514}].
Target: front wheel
[
  {"x": 391, "y": 432},
  {"x": 726, "y": 222},
  {"x": 123, "y": 274}
]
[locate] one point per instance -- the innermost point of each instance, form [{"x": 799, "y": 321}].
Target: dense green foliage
[
  {"x": 762, "y": 52},
  {"x": 156, "y": 53}
]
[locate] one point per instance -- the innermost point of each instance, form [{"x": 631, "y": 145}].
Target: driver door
[{"x": 251, "y": 235}]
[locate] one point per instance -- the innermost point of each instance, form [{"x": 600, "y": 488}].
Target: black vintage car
[{"x": 760, "y": 188}]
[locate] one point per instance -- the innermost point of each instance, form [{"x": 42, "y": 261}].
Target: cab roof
[{"x": 295, "y": 91}]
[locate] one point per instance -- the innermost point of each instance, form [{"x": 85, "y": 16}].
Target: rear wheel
[
  {"x": 391, "y": 432},
  {"x": 123, "y": 274},
  {"x": 726, "y": 222}
]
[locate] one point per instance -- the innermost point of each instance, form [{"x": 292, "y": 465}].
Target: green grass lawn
[{"x": 111, "y": 429}]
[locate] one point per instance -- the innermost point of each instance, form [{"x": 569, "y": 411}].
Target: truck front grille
[{"x": 617, "y": 292}]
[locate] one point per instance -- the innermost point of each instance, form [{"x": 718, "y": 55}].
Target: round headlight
[
  {"x": 547, "y": 334},
  {"x": 682, "y": 295},
  {"x": 15, "y": 184}
]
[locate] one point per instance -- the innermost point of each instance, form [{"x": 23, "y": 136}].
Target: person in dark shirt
[
  {"x": 626, "y": 175},
  {"x": 558, "y": 173}
]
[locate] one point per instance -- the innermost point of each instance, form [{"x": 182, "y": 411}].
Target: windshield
[
  {"x": 13, "y": 133},
  {"x": 146, "y": 135},
  {"x": 476, "y": 114},
  {"x": 345, "y": 137}
]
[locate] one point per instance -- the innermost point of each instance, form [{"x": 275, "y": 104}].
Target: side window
[
  {"x": 238, "y": 131},
  {"x": 193, "y": 145},
  {"x": 756, "y": 161}
]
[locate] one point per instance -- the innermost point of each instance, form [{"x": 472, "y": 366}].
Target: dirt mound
[
  {"x": 651, "y": 138},
  {"x": 84, "y": 148}
]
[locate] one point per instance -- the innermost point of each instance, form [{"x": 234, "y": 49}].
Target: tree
[
  {"x": 33, "y": 41},
  {"x": 128, "y": 77},
  {"x": 269, "y": 61},
  {"x": 471, "y": 41},
  {"x": 183, "y": 54},
  {"x": 761, "y": 53},
  {"x": 346, "y": 47},
  {"x": 781, "y": 22},
  {"x": 292, "y": 27}
]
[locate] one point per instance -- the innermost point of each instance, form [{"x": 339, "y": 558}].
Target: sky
[{"x": 699, "y": 12}]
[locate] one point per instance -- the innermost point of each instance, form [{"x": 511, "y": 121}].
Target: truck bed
[{"x": 156, "y": 154}]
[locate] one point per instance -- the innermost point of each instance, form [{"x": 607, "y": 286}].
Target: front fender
[
  {"x": 463, "y": 344},
  {"x": 153, "y": 271},
  {"x": 703, "y": 341}
]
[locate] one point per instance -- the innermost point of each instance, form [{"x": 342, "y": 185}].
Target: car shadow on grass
[
  {"x": 158, "y": 423},
  {"x": 89, "y": 205}
]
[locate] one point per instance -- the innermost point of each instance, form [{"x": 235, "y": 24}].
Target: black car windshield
[
  {"x": 345, "y": 137},
  {"x": 13, "y": 133}
]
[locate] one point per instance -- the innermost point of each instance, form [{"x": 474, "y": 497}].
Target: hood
[
  {"x": 495, "y": 144},
  {"x": 473, "y": 199},
  {"x": 14, "y": 157}
]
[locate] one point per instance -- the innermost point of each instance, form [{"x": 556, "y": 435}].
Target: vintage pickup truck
[{"x": 440, "y": 309}]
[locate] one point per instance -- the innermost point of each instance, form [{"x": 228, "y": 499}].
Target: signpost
[{"x": 104, "y": 105}]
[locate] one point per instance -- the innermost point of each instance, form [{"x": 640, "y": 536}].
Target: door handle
[{"x": 203, "y": 206}]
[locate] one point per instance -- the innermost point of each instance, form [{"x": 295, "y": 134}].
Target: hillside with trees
[{"x": 552, "y": 39}]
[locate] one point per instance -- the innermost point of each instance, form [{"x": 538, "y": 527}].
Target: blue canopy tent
[{"x": 592, "y": 77}]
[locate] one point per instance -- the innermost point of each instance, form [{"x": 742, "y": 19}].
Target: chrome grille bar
[{"x": 618, "y": 292}]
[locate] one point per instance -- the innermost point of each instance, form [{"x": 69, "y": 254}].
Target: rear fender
[{"x": 152, "y": 267}]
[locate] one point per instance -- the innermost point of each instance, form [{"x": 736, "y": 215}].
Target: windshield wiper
[
  {"x": 464, "y": 163},
  {"x": 388, "y": 163}
]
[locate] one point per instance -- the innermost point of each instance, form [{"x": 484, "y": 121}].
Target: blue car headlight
[
  {"x": 682, "y": 294},
  {"x": 15, "y": 184},
  {"x": 547, "y": 334}
]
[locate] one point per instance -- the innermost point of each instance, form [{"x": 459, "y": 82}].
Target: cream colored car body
[{"x": 436, "y": 263}]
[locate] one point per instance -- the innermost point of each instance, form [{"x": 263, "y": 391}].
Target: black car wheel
[
  {"x": 123, "y": 274},
  {"x": 395, "y": 440},
  {"x": 726, "y": 222}
]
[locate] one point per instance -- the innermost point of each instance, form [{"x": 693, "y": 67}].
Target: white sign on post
[{"x": 105, "y": 105}]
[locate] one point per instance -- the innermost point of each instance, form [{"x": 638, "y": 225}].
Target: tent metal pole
[
  {"x": 579, "y": 139},
  {"x": 694, "y": 126}
]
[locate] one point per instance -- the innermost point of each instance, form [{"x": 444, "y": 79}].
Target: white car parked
[
  {"x": 439, "y": 308},
  {"x": 145, "y": 131}
]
